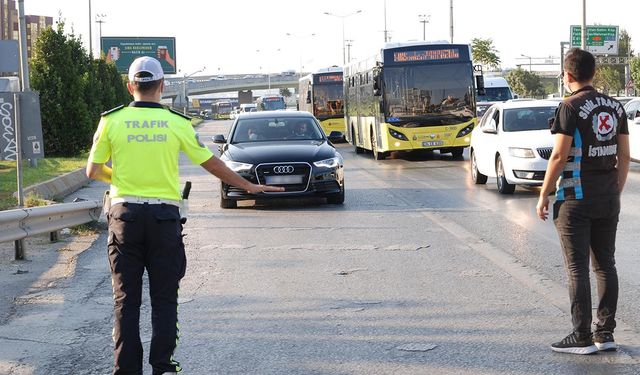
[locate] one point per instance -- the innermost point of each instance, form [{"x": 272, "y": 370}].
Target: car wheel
[
  {"x": 378, "y": 155},
  {"x": 478, "y": 178},
  {"x": 457, "y": 152},
  {"x": 337, "y": 198},
  {"x": 359, "y": 150},
  {"x": 504, "y": 187}
]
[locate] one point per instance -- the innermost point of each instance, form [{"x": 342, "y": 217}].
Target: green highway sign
[
  {"x": 123, "y": 50},
  {"x": 601, "y": 40}
]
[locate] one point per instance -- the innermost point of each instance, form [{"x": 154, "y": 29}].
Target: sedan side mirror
[
  {"x": 336, "y": 136},
  {"x": 219, "y": 138},
  {"x": 491, "y": 127}
]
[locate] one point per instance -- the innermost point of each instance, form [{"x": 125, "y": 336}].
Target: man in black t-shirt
[{"x": 589, "y": 162}]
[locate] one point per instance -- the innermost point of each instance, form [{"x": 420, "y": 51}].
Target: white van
[
  {"x": 496, "y": 90},
  {"x": 248, "y": 108}
]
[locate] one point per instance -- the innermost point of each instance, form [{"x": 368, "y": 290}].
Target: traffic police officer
[{"x": 143, "y": 142}]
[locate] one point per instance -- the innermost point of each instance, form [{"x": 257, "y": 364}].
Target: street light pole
[
  {"x": 528, "y": 57},
  {"x": 300, "y": 37},
  {"x": 343, "y": 16},
  {"x": 349, "y": 44},
  {"x": 184, "y": 88},
  {"x": 583, "y": 44},
  {"x": 424, "y": 20},
  {"x": 268, "y": 70},
  {"x": 90, "y": 34},
  {"x": 100, "y": 20}
]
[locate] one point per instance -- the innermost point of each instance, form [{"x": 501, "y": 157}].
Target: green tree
[
  {"x": 525, "y": 83},
  {"x": 58, "y": 72},
  {"x": 74, "y": 90},
  {"x": 610, "y": 78},
  {"x": 285, "y": 92},
  {"x": 635, "y": 72},
  {"x": 485, "y": 53}
]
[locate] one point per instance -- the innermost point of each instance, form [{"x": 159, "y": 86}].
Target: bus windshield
[
  {"x": 495, "y": 94},
  {"x": 273, "y": 103},
  {"x": 327, "y": 101},
  {"x": 428, "y": 95},
  {"x": 224, "y": 107}
]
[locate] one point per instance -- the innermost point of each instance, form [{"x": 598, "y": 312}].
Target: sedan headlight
[
  {"x": 521, "y": 152},
  {"x": 237, "y": 166},
  {"x": 328, "y": 163}
]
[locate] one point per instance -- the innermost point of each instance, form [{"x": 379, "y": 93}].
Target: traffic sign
[{"x": 601, "y": 40}]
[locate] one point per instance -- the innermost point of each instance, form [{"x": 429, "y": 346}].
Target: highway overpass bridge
[{"x": 175, "y": 88}]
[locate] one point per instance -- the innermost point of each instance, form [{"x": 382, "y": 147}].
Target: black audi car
[{"x": 282, "y": 148}]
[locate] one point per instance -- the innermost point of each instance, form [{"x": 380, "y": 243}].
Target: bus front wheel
[
  {"x": 359, "y": 150},
  {"x": 377, "y": 154}
]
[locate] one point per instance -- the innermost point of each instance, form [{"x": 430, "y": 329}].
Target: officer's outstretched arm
[
  {"x": 217, "y": 168},
  {"x": 99, "y": 171}
]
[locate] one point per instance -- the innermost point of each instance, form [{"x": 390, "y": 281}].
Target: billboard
[{"x": 123, "y": 50}]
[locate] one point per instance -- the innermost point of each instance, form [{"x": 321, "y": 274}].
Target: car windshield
[
  {"x": 495, "y": 94},
  {"x": 276, "y": 129},
  {"x": 429, "y": 95},
  {"x": 522, "y": 119}
]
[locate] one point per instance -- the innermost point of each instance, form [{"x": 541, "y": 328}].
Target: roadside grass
[{"x": 47, "y": 168}]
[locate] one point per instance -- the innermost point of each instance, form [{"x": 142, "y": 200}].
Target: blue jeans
[{"x": 585, "y": 225}]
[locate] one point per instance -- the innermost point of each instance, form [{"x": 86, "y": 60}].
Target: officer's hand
[{"x": 254, "y": 189}]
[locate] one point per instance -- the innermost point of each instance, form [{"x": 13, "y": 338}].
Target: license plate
[
  {"x": 432, "y": 143},
  {"x": 284, "y": 180}
]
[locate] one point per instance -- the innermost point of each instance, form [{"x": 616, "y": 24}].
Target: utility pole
[
  {"x": 451, "y": 19},
  {"x": 90, "y": 34},
  {"x": 424, "y": 20},
  {"x": 386, "y": 39},
  {"x": 349, "y": 44},
  {"x": 100, "y": 20},
  {"x": 583, "y": 44}
]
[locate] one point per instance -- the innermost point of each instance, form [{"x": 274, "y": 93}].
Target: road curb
[{"x": 58, "y": 187}]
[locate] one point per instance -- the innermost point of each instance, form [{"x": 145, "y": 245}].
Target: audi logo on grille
[{"x": 282, "y": 169}]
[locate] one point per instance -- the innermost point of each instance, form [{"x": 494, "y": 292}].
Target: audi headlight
[
  {"x": 521, "y": 152},
  {"x": 328, "y": 163},
  {"x": 237, "y": 166}
]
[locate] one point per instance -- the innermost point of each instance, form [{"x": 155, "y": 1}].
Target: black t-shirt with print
[{"x": 593, "y": 120}]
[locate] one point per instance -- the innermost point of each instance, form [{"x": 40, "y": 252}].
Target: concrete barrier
[{"x": 58, "y": 187}]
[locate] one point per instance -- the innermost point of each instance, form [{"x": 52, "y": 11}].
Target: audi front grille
[{"x": 294, "y": 177}]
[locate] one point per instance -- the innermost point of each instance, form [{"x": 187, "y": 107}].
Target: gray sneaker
[{"x": 604, "y": 341}]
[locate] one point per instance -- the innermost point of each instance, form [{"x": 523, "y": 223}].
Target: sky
[{"x": 233, "y": 37}]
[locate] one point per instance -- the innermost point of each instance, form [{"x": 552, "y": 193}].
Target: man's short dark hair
[
  {"x": 580, "y": 64},
  {"x": 147, "y": 87}
]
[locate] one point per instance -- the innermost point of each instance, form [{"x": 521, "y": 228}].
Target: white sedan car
[
  {"x": 513, "y": 143},
  {"x": 633, "y": 120}
]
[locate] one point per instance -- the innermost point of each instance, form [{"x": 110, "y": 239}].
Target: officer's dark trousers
[
  {"x": 145, "y": 236},
  {"x": 582, "y": 226}
]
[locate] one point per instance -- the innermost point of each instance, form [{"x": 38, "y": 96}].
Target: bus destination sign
[
  {"x": 426, "y": 55},
  {"x": 330, "y": 78}
]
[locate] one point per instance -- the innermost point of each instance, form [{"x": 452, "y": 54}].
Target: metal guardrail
[{"x": 24, "y": 222}]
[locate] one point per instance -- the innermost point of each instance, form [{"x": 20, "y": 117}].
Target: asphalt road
[{"x": 419, "y": 272}]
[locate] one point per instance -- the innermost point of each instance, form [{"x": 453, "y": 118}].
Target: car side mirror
[
  {"x": 491, "y": 127},
  {"x": 515, "y": 96},
  {"x": 336, "y": 136},
  {"x": 219, "y": 138}
]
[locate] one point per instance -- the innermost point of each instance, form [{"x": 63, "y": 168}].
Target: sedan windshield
[
  {"x": 276, "y": 129},
  {"x": 429, "y": 95},
  {"x": 521, "y": 119}
]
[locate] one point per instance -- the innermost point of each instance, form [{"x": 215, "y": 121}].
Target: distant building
[
  {"x": 9, "y": 24},
  {"x": 8, "y": 20}
]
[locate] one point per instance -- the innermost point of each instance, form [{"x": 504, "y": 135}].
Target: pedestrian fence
[{"x": 24, "y": 222}]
